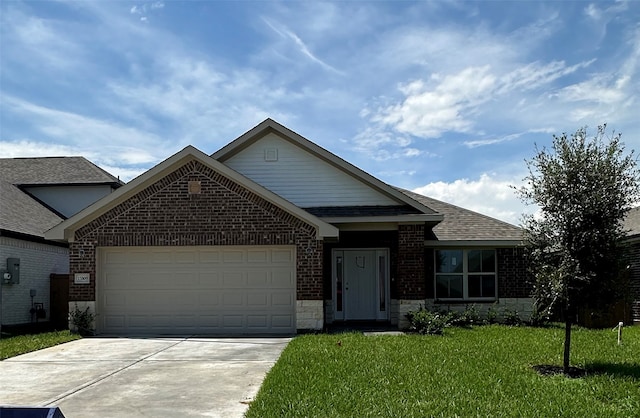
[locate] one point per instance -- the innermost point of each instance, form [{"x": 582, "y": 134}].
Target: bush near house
[{"x": 424, "y": 321}]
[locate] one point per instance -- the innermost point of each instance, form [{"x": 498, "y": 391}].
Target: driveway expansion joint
[{"x": 53, "y": 401}]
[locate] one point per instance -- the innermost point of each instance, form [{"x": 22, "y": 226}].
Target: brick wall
[
  {"x": 513, "y": 279},
  {"x": 223, "y": 213},
  {"x": 633, "y": 254},
  {"x": 37, "y": 262},
  {"x": 410, "y": 282}
]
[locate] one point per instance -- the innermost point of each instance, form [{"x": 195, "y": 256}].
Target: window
[{"x": 465, "y": 274}]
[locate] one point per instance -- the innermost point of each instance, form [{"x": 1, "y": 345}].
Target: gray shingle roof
[
  {"x": 632, "y": 222},
  {"x": 465, "y": 225},
  {"x": 53, "y": 170},
  {"x": 20, "y": 213}
]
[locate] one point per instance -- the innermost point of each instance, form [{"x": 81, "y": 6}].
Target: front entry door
[{"x": 361, "y": 284}]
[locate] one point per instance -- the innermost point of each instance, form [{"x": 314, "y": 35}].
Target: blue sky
[{"x": 445, "y": 98}]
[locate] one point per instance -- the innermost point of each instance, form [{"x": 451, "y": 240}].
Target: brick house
[
  {"x": 274, "y": 234},
  {"x": 632, "y": 227}
]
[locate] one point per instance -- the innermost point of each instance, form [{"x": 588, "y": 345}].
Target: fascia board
[
  {"x": 65, "y": 231},
  {"x": 269, "y": 125},
  {"x": 401, "y": 219},
  {"x": 473, "y": 243}
]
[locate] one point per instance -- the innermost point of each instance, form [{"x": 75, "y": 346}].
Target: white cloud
[
  {"x": 452, "y": 103},
  {"x": 506, "y": 138},
  {"x": 489, "y": 195},
  {"x": 26, "y": 148},
  {"x": 382, "y": 145},
  {"x": 284, "y": 32}
]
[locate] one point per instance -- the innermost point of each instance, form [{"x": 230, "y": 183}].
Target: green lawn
[
  {"x": 13, "y": 346},
  {"x": 484, "y": 371}
]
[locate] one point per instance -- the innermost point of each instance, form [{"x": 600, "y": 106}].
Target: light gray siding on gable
[
  {"x": 301, "y": 177},
  {"x": 69, "y": 200}
]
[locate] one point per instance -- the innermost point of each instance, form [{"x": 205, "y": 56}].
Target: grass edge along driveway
[
  {"x": 484, "y": 371},
  {"x": 21, "y": 344}
]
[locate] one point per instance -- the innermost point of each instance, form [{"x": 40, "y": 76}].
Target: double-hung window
[{"x": 465, "y": 274}]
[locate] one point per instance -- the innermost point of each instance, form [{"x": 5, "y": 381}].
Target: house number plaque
[{"x": 81, "y": 278}]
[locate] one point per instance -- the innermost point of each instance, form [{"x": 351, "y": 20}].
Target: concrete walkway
[{"x": 142, "y": 377}]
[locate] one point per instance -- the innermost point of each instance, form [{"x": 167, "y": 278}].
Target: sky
[{"x": 446, "y": 98}]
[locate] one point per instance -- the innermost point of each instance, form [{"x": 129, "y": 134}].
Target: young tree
[{"x": 583, "y": 187}]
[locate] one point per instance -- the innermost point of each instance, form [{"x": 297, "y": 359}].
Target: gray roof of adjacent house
[
  {"x": 632, "y": 222},
  {"x": 20, "y": 213},
  {"x": 53, "y": 170},
  {"x": 465, "y": 225}
]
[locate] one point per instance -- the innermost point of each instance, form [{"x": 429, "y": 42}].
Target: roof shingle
[
  {"x": 461, "y": 224},
  {"x": 53, "y": 170},
  {"x": 21, "y": 213}
]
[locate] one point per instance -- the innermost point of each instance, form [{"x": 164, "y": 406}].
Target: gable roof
[
  {"x": 54, "y": 170},
  {"x": 465, "y": 227},
  {"x": 20, "y": 213},
  {"x": 422, "y": 212},
  {"x": 66, "y": 230}
]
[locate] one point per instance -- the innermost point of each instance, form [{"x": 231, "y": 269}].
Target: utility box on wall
[{"x": 13, "y": 268}]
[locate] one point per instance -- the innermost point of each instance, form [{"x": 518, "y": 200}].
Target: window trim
[{"x": 465, "y": 275}]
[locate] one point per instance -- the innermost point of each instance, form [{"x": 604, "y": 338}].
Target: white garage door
[{"x": 186, "y": 290}]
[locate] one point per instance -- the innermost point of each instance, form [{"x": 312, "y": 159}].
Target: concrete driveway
[{"x": 142, "y": 377}]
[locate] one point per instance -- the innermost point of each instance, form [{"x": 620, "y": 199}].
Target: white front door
[{"x": 361, "y": 284}]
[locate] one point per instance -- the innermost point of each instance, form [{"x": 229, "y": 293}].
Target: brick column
[{"x": 410, "y": 283}]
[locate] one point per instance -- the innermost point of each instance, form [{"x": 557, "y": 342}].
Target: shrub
[
  {"x": 466, "y": 318},
  {"x": 512, "y": 317},
  {"x": 492, "y": 314},
  {"x": 424, "y": 321},
  {"x": 82, "y": 320}
]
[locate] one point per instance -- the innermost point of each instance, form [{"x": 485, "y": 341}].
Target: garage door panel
[
  {"x": 196, "y": 290},
  {"x": 208, "y": 300},
  {"x": 258, "y": 278},
  {"x": 232, "y": 321},
  {"x": 257, "y": 321},
  {"x": 258, "y": 256},
  {"x": 257, "y": 300},
  {"x": 209, "y": 256},
  {"x": 282, "y": 278},
  {"x": 233, "y": 300},
  {"x": 281, "y": 299},
  {"x": 209, "y": 280},
  {"x": 282, "y": 321},
  {"x": 283, "y": 256},
  {"x": 233, "y": 256}
]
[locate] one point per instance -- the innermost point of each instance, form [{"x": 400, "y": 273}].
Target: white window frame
[{"x": 465, "y": 275}]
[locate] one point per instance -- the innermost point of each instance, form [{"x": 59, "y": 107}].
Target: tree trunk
[{"x": 567, "y": 343}]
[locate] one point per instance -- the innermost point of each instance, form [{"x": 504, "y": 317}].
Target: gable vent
[{"x": 271, "y": 154}]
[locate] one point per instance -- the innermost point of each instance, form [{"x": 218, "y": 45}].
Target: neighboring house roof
[
  {"x": 20, "y": 213},
  {"x": 23, "y": 214},
  {"x": 419, "y": 212},
  {"x": 65, "y": 231},
  {"x": 53, "y": 170},
  {"x": 631, "y": 222},
  {"x": 462, "y": 226}
]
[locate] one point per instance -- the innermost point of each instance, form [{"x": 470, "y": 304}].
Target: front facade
[{"x": 273, "y": 234}]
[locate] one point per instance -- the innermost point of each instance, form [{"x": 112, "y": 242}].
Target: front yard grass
[
  {"x": 484, "y": 371},
  {"x": 13, "y": 346}
]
